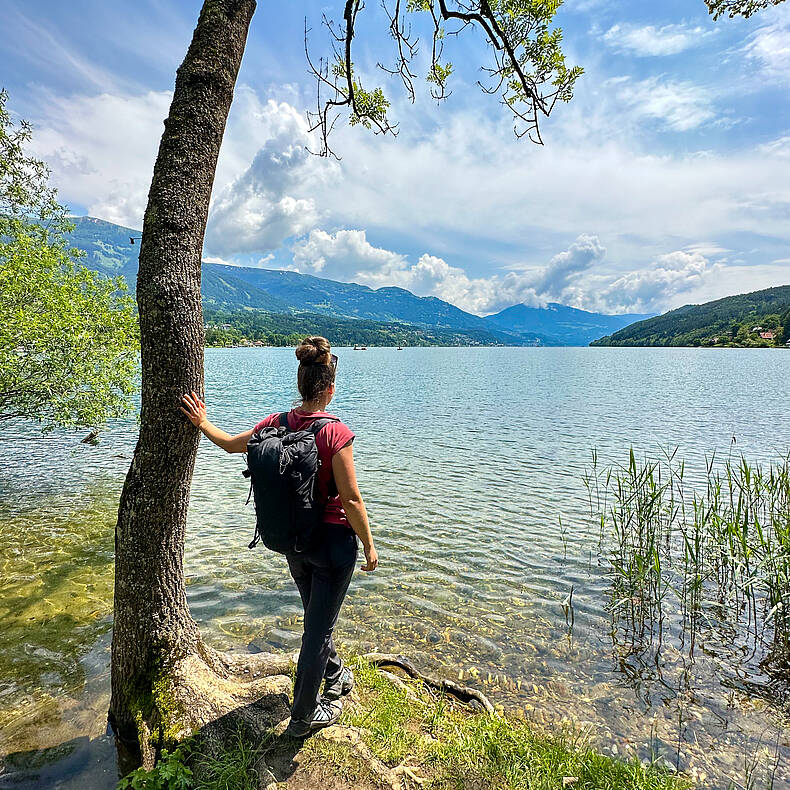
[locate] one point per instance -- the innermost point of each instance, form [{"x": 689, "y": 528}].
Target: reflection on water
[
  {"x": 468, "y": 459},
  {"x": 55, "y": 606}
]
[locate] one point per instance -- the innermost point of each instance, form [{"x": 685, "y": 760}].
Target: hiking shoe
[
  {"x": 327, "y": 712},
  {"x": 340, "y": 687}
]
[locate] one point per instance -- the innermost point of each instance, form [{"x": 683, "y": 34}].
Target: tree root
[
  {"x": 201, "y": 695},
  {"x": 391, "y": 778},
  {"x": 462, "y": 693},
  {"x": 213, "y": 693},
  {"x": 227, "y": 696},
  {"x": 222, "y": 695}
]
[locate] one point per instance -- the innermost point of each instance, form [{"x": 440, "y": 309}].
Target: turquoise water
[{"x": 471, "y": 463}]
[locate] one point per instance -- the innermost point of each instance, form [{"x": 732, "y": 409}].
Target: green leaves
[
  {"x": 68, "y": 337},
  {"x": 170, "y": 773},
  {"x": 527, "y": 68},
  {"x": 369, "y": 106},
  {"x": 734, "y": 8}
]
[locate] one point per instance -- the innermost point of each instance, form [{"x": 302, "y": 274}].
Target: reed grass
[{"x": 715, "y": 547}]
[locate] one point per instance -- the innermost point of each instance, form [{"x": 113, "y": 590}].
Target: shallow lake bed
[{"x": 471, "y": 461}]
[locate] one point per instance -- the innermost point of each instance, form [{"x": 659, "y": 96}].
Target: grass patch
[
  {"x": 451, "y": 748},
  {"x": 234, "y": 769}
]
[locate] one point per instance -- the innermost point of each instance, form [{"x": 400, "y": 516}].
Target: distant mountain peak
[{"x": 568, "y": 325}]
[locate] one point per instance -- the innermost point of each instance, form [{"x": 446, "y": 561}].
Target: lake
[{"x": 471, "y": 462}]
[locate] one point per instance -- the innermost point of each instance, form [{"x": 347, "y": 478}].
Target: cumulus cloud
[
  {"x": 456, "y": 182},
  {"x": 563, "y": 267},
  {"x": 348, "y": 255},
  {"x": 650, "y": 40},
  {"x": 274, "y": 199},
  {"x": 101, "y": 150},
  {"x": 569, "y": 277},
  {"x": 654, "y": 287}
]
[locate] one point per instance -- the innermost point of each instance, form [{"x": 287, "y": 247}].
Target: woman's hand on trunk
[{"x": 194, "y": 408}]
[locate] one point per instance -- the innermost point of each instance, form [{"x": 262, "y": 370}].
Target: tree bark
[{"x": 154, "y": 633}]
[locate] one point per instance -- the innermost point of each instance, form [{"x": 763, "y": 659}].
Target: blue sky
[{"x": 665, "y": 181}]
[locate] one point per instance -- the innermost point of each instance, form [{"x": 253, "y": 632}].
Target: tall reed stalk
[{"x": 716, "y": 548}]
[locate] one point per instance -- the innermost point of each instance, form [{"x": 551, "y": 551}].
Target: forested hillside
[
  {"x": 757, "y": 319},
  {"x": 248, "y": 327},
  {"x": 109, "y": 250}
]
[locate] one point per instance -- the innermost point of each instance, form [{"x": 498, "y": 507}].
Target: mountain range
[{"x": 108, "y": 250}]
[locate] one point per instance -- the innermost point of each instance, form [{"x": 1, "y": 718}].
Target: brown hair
[{"x": 316, "y": 372}]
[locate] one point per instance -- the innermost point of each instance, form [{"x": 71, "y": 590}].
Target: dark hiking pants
[{"x": 322, "y": 575}]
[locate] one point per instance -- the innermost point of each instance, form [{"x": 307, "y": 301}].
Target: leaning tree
[{"x": 166, "y": 681}]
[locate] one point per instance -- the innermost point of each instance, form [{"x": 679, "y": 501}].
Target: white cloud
[
  {"x": 779, "y": 147},
  {"x": 707, "y": 248},
  {"x": 570, "y": 277},
  {"x": 563, "y": 267},
  {"x": 769, "y": 47},
  {"x": 678, "y": 105},
  {"x": 649, "y": 40},
  {"x": 654, "y": 287},
  {"x": 455, "y": 186},
  {"x": 348, "y": 255},
  {"x": 274, "y": 199},
  {"x": 101, "y": 150},
  {"x": 735, "y": 278}
]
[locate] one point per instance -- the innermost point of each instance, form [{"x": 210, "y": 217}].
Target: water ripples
[{"x": 471, "y": 463}]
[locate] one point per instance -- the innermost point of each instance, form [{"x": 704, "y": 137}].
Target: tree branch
[{"x": 529, "y": 68}]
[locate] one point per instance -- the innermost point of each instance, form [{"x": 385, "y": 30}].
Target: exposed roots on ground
[
  {"x": 463, "y": 693},
  {"x": 254, "y": 690},
  {"x": 210, "y": 692},
  {"x": 397, "y": 778}
]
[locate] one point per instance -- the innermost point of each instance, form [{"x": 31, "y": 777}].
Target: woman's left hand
[
  {"x": 194, "y": 408},
  {"x": 371, "y": 558}
]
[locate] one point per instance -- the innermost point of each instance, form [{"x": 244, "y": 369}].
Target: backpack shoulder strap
[
  {"x": 284, "y": 419},
  {"x": 314, "y": 429},
  {"x": 318, "y": 424}
]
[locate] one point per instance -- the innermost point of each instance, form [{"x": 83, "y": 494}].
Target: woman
[{"x": 323, "y": 572}]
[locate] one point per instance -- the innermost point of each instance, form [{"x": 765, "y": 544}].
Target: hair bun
[{"x": 314, "y": 351}]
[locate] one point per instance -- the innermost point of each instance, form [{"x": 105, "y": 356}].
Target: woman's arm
[
  {"x": 346, "y": 482},
  {"x": 195, "y": 410}
]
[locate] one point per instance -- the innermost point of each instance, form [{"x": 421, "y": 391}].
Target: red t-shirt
[{"x": 331, "y": 438}]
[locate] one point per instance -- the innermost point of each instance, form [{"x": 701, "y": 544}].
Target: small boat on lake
[{"x": 360, "y": 348}]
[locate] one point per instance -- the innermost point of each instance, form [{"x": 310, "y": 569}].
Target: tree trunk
[{"x": 158, "y": 658}]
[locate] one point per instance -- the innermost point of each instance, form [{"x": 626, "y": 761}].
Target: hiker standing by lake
[{"x": 322, "y": 570}]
